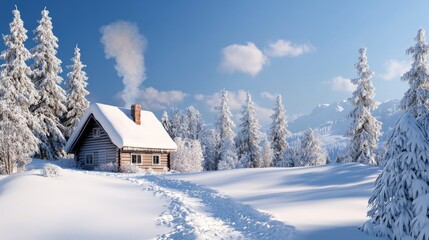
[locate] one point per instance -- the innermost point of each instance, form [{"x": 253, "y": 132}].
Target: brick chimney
[{"x": 136, "y": 113}]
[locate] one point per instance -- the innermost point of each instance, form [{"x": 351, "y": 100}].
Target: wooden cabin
[{"x": 109, "y": 134}]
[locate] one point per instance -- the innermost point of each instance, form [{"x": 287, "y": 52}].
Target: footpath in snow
[
  {"x": 322, "y": 202},
  {"x": 197, "y": 212}
]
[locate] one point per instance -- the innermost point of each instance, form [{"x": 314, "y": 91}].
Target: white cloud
[
  {"x": 269, "y": 96},
  {"x": 282, "y": 48},
  {"x": 123, "y": 42},
  {"x": 152, "y": 99},
  {"x": 243, "y": 58},
  {"x": 395, "y": 69},
  {"x": 341, "y": 84},
  {"x": 236, "y": 101}
]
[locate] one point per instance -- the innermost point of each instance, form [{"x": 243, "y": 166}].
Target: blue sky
[{"x": 304, "y": 50}]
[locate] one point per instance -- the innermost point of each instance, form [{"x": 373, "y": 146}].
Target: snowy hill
[
  {"x": 323, "y": 202},
  {"x": 330, "y": 121}
]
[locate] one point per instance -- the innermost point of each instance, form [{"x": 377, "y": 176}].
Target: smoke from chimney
[{"x": 123, "y": 42}]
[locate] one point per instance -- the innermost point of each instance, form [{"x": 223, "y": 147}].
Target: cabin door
[{"x": 102, "y": 157}]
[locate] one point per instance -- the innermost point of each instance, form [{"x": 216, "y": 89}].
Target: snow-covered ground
[
  {"x": 323, "y": 202},
  {"x": 76, "y": 206}
]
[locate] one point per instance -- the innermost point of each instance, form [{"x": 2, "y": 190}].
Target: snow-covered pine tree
[
  {"x": 266, "y": 154},
  {"x": 17, "y": 141},
  {"x": 188, "y": 157},
  {"x": 165, "y": 121},
  {"x": 400, "y": 201},
  {"x": 248, "y": 139},
  {"x": 414, "y": 100},
  {"x": 17, "y": 93},
  {"x": 399, "y": 206},
  {"x": 289, "y": 158},
  {"x": 226, "y": 154},
  {"x": 193, "y": 119},
  {"x": 209, "y": 142},
  {"x": 76, "y": 98},
  {"x": 279, "y": 131},
  {"x": 310, "y": 150},
  {"x": 177, "y": 124},
  {"x": 50, "y": 106},
  {"x": 364, "y": 129}
]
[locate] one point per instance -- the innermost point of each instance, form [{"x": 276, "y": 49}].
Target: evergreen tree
[
  {"x": 208, "y": 142},
  {"x": 17, "y": 142},
  {"x": 17, "y": 93},
  {"x": 165, "y": 121},
  {"x": 400, "y": 201},
  {"x": 289, "y": 158},
  {"x": 364, "y": 129},
  {"x": 279, "y": 131},
  {"x": 310, "y": 151},
  {"x": 177, "y": 124},
  {"x": 414, "y": 100},
  {"x": 50, "y": 106},
  {"x": 226, "y": 155},
  {"x": 76, "y": 99},
  {"x": 266, "y": 154},
  {"x": 249, "y": 151},
  {"x": 399, "y": 206},
  {"x": 188, "y": 157},
  {"x": 194, "y": 122}
]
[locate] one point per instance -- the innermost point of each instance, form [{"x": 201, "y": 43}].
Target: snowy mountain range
[{"x": 331, "y": 122}]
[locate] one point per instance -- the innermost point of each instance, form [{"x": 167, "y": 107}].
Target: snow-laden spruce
[
  {"x": 226, "y": 153},
  {"x": 400, "y": 202},
  {"x": 17, "y": 142},
  {"x": 17, "y": 94},
  {"x": 266, "y": 154},
  {"x": 399, "y": 206},
  {"x": 165, "y": 121},
  {"x": 414, "y": 100},
  {"x": 183, "y": 123},
  {"x": 188, "y": 157},
  {"x": 177, "y": 124},
  {"x": 364, "y": 129},
  {"x": 289, "y": 158},
  {"x": 194, "y": 122},
  {"x": 310, "y": 150},
  {"x": 50, "y": 106},
  {"x": 279, "y": 131},
  {"x": 76, "y": 98},
  {"x": 249, "y": 151},
  {"x": 209, "y": 142}
]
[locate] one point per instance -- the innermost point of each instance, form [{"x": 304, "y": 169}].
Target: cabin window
[
  {"x": 96, "y": 132},
  {"x": 136, "y": 158},
  {"x": 156, "y": 159},
  {"x": 88, "y": 159}
]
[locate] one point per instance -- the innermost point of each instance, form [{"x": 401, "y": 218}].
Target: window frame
[
  {"x": 138, "y": 157},
  {"x": 91, "y": 158},
  {"x": 159, "y": 159},
  {"x": 96, "y": 132}
]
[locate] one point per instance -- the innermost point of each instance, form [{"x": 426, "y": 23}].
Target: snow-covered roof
[{"x": 123, "y": 131}]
